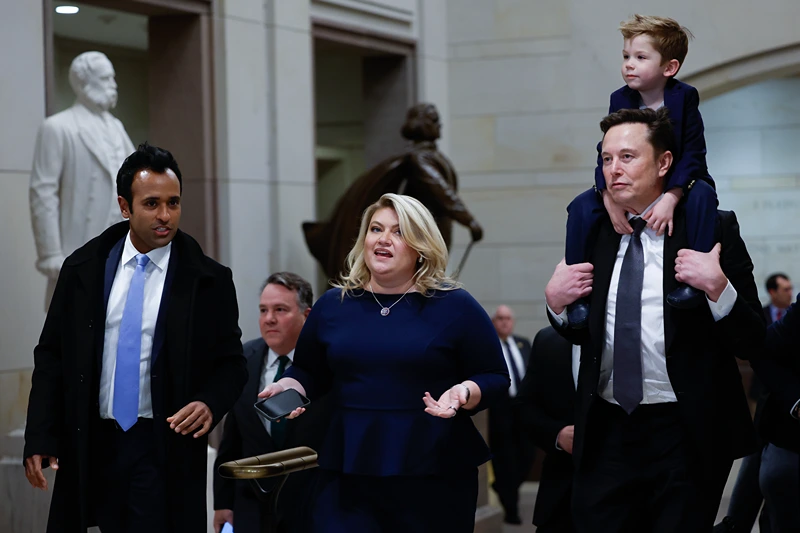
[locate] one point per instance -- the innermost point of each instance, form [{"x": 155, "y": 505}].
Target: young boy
[{"x": 653, "y": 51}]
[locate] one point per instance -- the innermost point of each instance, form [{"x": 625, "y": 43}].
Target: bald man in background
[{"x": 510, "y": 444}]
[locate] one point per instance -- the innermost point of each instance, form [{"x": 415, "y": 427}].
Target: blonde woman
[{"x": 408, "y": 356}]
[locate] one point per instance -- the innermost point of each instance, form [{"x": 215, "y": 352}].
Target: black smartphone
[{"x": 280, "y": 405}]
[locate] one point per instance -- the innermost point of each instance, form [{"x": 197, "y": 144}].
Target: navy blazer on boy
[{"x": 689, "y": 149}]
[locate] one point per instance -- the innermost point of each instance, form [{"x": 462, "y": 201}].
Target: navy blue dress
[{"x": 381, "y": 441}]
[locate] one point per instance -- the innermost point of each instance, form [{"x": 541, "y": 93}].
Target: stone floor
[
  {"x": 28, "y": 506},
  {"x": 528, "y": 498}
]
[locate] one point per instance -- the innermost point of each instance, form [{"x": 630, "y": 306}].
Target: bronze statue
[{"x": 422, "y": 171}]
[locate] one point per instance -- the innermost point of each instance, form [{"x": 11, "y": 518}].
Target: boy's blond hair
[{"x": 670, "y": 39}]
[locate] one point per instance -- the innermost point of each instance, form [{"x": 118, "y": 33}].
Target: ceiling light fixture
[{"x": 67, "y": 10}]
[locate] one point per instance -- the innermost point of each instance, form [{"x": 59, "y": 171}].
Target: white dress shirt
[
  {"x": 155, "y": 274},
  {"x": 656, "y": 385},
  {"x": 512, "y": 356},
  {"x": 268, "y": 373}
]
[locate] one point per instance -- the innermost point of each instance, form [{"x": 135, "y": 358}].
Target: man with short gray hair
[
  {"x": 78, "y": 152},
  {"x": 512, "y": 450}
]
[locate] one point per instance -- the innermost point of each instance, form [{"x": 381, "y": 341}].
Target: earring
[{"x": 419, "y": 260}]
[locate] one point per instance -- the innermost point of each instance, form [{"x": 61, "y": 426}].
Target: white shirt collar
[
  {"x": 649, "y": 207},
  {"x": 158, "y": 256},
  {"x": 272, "y": 357}
]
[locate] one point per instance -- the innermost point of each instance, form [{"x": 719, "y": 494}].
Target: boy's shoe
[
  {"x": 578, "y": 314},
  {"x": 685, "y": 297},
  {"x": 726, "y": 526}
]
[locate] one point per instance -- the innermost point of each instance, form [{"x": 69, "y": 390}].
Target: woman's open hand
[{"x": 449, "y": 402}]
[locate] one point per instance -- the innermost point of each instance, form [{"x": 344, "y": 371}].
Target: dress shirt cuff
[
  {"x": 557, "y": 446},
  {"x": 794, "y": 408},
  {"x": 561, "y": 319},
  {"x": 722, "y": 307}
]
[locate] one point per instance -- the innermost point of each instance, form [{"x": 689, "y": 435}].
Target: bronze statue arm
[{"x": 428, "y": 172}]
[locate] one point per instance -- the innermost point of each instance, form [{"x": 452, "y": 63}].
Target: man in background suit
[
  {"x": 661, "y": 413},
  {"x": 140, "y": 356},
  {"x": 286, "y": 300},
  {"x": 547, "y": 397},
  {"x": 512, "y": 450},
  {"x": 781, "y": 292},
  {"x": 777, "y": 415},
  {"x": 746, "y": 498}
]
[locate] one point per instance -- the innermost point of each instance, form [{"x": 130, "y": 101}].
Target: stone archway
[{"x": 736, "y": 73}]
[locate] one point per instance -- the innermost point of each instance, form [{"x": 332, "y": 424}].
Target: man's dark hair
[
  {"x": 293, "y": 282},
  {"x": 772, "y": 280},
  {"x": 658, "y": 125},
  {"x": 145, "y": 157}
]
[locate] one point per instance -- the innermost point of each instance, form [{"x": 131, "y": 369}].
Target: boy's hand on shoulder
[
  {"x": 660, "y": 218},
  {"x": 617, "y": 214}
]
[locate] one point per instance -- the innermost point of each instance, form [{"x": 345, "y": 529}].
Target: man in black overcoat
[
  {"x": 547, "y": 398},
  {"x": 140, "y": 356}
]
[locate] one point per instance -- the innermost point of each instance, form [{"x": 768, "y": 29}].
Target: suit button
[
  {"x": 90, "y": 324},
  {"x": 81, "y": 378}
]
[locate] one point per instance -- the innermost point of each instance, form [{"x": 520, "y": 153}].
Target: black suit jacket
[
  {"x": 700, "y": 352},
  {"x": 501, "y": 416},
  {"x": 779, "y": 371},
  {"x": 547, "y": 396},
  {"x": 197, "y": 356},
  {"x": 244, "y": 435}
]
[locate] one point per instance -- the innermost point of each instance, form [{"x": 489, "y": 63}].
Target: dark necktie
[
  {"x": 278, "y": 429},
  {"x": 512, "y": 367},
  {"x": 628, "y": 324},
  {"x": 778, "y": 314}
]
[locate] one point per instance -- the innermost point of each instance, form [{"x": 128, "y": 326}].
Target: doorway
[{"x": 161, "y": 51}]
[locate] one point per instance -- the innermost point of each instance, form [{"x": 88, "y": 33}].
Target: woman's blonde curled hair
[{"x": 419, "y": 231}]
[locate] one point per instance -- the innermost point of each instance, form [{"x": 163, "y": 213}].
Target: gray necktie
[{"x": 628, "y": 324}]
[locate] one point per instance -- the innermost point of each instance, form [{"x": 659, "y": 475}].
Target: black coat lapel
[
  {"x": 603, "y": 256},
  {"x": 158, "y": 335}
]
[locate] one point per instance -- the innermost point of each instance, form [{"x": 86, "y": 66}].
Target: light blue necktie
[{"x": 129, "y": 350}]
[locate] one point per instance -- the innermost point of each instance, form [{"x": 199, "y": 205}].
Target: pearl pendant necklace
[{"x": 385, "y": 310}]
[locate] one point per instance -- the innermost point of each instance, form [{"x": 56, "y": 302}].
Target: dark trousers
[
  {"x": 129, "y": 479},
  {"x": 513, "y": 455},
  {"x": 637, "y": 474},
  {"x": 746, "y": 498},
  {"x": 560, "y": 520},
  {"x": 371, "y": 504},
  {"x": 586, "y": 210},
  {"x": 781, "y": 488}
]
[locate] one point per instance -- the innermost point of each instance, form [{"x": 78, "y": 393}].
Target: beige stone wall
[
  {"x": 528, "y": 85},
  {"x": 752, "y": 135},
  {"x": 21, "y": 286}
]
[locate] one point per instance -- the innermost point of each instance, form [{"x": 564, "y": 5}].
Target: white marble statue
[{"x": 78, "y": 152}]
